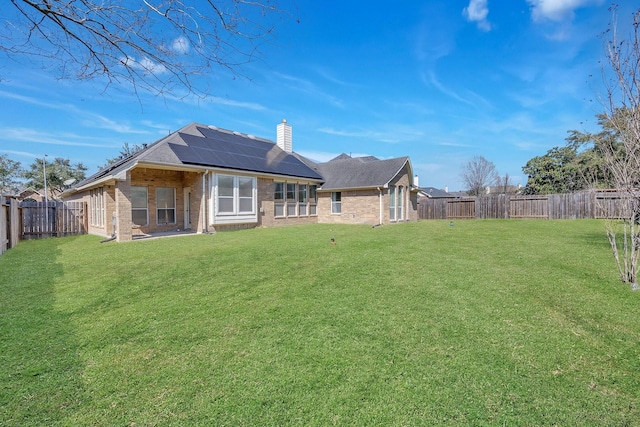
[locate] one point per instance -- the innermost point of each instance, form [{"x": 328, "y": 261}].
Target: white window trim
[
  {"x": 234, "y": 217},
  {"x": 146, "y": 209},
  {"x": 286, "y": 204},
  {"x": 97, "y": 208},
  {"x": 336, "y": 203},
  {"x": 175, "y": 211}
]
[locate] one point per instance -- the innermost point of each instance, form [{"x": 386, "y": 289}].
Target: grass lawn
[{"x": 483, "y": 323}]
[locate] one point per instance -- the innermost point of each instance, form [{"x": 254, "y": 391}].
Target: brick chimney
[{"x": 283, "y": 136}]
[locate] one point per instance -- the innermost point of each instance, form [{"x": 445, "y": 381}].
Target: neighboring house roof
[
  {"x": 345, "y": 172},
  {"x": 435, "y": 193},
  {"x": 207, "y": 146}
]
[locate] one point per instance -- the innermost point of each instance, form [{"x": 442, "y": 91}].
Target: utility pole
[{"x": 46, "y": 197}]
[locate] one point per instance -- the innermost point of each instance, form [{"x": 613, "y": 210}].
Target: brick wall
[
  {"x": 266, "y": 208},
  {"x": 363, "y": 206},
  {"x": 154, "y": 178},
  {"x": 358, "y": 207}
]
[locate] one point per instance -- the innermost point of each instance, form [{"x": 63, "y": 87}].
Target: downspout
[
  {"x": 204, "y": 202},
  {"x": 380, "y": 200}
]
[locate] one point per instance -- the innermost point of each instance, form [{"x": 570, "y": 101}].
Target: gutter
[
  {"x": 380, "y": 199},
  {"x": 204, "y": 202}
]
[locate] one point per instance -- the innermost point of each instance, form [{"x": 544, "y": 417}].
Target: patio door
[{"x": 187, "y": 208}]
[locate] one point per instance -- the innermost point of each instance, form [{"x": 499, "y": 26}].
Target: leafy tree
[
  {"x": 477, "y": 174},
  {"x": 157, "y": 46},
  {"x": 58, "y": 172},
  {"x": 555, "y": 172},
  {"x": 10, "y": 174},
  {"x": 126, "y": 151}
]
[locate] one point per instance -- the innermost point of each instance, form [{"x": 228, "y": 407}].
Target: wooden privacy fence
[
  {"x": 52, "y": 219},
  {"x": 590, "y": 204},
  {"x": 9, "y": 223}
]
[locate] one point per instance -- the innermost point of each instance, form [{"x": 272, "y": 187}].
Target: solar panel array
[{"x": 237, "y": 151}]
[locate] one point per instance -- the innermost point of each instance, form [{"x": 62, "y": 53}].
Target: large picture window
[
  {"x": 139, "y": 209},
  {"x": 166, "y": 205},
  {"x": 235, "y": 195}
]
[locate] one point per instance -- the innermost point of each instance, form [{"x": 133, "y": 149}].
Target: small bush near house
[{"x": 482, "y": 323}]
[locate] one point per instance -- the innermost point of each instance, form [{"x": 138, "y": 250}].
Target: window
[
  {"x": 313, "y": 199},
  {"x": 399, "y": 204},
  {"x": 392, "y": 203},
  {"x": 395, "y": 203},
  {"x": 166, "y": 205},
  {"x": 96, "y": 206},
  {"x": 139, "y": 211},
  {"x": 291, "y": 199},
  {"x": 303, "y": 199},
  {"x": 336, "y": 202},
  {"x": 245, "y": 195},
  {"x": 225, "y": 193},
  {"x": 235, "y": 195},
  {"x": 278, "y": 198}
]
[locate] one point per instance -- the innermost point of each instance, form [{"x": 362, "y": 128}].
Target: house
[
  {"x": 208, "y": 179},
  {"x": 435, "y": 193}
]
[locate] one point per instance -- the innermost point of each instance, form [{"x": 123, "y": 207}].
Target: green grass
[{"x": 482, "y": 323}]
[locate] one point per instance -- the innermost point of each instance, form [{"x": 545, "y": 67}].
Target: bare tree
[
  {"x": 504, "y": 184},
  {"x": 477, "y": 174},
  {"x": 155, "y": 45},
  {"x": 621, "y": 152}
]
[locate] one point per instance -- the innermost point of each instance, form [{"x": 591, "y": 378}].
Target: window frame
[
  {"x": 313, "y": 199},
  {"x": 392, "y": 203},
  {"x": 336, "y": 202},
  {"x": 295, "y": 199},
  {"x": 166, "y": 209},
  {"x": 279, "y": 199},
  {"x": 234, "y": 197},
  {"x": 146, "y": 207},
  {"x": 96, "y": 207}
]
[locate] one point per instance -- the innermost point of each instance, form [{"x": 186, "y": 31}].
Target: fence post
[{"x": 3, "y": 225}]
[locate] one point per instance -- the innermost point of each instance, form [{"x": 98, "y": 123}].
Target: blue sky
[{"x": 439, "y": 81}]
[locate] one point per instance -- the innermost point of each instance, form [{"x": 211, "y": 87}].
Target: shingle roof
[
  {"x": 208, "y": 146},
  {"x": 346, "y": 172},
  {"x": 436, "y": 193},
  {"x": 233, "y": 150}
]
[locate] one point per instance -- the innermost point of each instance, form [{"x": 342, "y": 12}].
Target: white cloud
[
  {"x": 180, "y": 45},
  {"x": 145, "y": 64},
  {"x": 477, "y": 12},
  {"x": 232, "y": 103},
  {"x": 34, "y": 136},
  {"x": 557, "y": 10}
]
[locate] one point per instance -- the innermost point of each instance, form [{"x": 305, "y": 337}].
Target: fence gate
[{"x": 52, "y": 219}]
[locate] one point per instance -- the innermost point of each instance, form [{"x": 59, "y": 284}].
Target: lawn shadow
[{"x": 40, "y": 368}]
